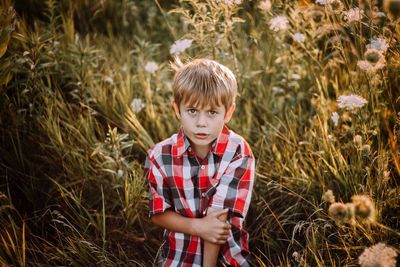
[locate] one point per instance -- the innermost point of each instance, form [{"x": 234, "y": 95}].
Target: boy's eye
[
  {"x": 212, "y": 112},
  {"x": 192, "y": 111}
]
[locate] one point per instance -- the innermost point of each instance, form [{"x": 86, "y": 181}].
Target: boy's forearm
[
  {"x": 175, "y": 222},
  {"x": 210, "y": 255},
  {"x": 211, "y": 250}
]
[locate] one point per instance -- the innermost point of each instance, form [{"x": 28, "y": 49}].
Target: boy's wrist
[{"x": 195, "y": 226}]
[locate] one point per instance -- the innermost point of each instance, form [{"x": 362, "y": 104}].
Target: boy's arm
[
  {"x": 209, "y": 228},
  {"x": 211, "y": 250}
]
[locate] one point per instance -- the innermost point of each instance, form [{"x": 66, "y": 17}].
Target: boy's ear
[
  {"x": 229, "y": 113},
  {"x": 176, "y": 109}
]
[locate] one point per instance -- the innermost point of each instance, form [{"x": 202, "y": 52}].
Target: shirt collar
[{"x": 218, "y": 146}]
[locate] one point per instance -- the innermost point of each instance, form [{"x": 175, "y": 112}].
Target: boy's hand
[{"x": 213, "y": 230}]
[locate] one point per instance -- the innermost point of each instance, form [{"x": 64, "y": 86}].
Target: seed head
[
  {"x": 364, "y": 208},
  {"x": 341, "y": 213}
]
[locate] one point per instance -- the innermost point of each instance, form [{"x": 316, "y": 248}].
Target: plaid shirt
[{"x": 181, "y": 182}]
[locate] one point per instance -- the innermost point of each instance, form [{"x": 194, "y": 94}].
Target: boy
[{"x": 201, "y": 179}]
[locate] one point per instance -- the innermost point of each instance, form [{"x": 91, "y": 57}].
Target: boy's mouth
[{"x": 201, "y": 135}]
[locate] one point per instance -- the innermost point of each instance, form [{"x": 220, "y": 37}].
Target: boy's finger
[{"x": 220, "y": 212}]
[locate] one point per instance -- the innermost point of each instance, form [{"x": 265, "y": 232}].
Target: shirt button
[{"x": 203, "y": 167}]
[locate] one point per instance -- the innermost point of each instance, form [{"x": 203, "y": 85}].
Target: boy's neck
[{"x": 201, "y": 151}]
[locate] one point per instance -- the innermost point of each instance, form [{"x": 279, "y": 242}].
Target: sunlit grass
[{"x": 79, "y": 109}]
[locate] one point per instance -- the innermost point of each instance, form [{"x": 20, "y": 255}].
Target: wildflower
[
  {"x": 379, "y": 44},
  {"x": 229, "y": 2},
  {"x": 365, "y": 66},
  {"x": 392, "y": 8},
  {"x": 373, "y": 55},
  {"x": 364, "y": 207},
  {"x": 380, "y": 14},
  {"x": 335, "y": 118},
  {"x": 351, "y": 102},
  {"x": 108, "y": 80},
  {"x": 296, "y": 76},
  {"x": 374, "y": 60},
  {"x": 279, "y": 23},
  {"x": 335, "y": 6},
  {"x": 151, "y": 67},
  {"x": 323, "y": 2},
  {"x": 299, "y": 37},
  {"x": 357, "y": 140},
  {"x": 328, "y": 196},
  {"x": 341, "y": 213},
  {"x": 265, "y": 5},
  {"x": 297, "y": 257},
  {"x": 379, "y": 255},
  {"x": 56, "y": 44},
  {"x": 277, "y": 89},
  {"x": 137, "y": 105},
  {"x": 354, "y": 14},
  {"x": 366, "y": 149},
  {"x": 180, "y": 45}
]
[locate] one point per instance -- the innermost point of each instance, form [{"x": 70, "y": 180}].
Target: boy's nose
[{"x": 201, "y": 120}]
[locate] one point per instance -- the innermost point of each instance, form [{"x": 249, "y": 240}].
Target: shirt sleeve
[
  {"x": 159, "y": 191},
  {"x": 235, "y": 187}
]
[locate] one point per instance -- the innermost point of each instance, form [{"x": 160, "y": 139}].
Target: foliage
[{"x": 80, "y": 106}]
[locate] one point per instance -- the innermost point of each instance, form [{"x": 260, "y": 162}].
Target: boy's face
[{"x": 202, "y": 126}]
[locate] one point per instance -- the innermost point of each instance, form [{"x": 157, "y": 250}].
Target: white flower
[
  {"x": 137, "y": 105},
  {"x": 265, "y": 5},
  {"x": 180, "y": 45},
  {"x": 378, "y": 43},
  {"x": 296, "y": 76},
  {"x": 229, "y": 2},
  {"x": 380, "y": 14},
  {"x": 120, "y": 173},
  {"x": 335, "y": 118},
  {"x": 323, "y": 2},
  {"x": 374, "y": 60},
  {"x": 108, "y": 80},
  {"x": 378, "y": 255},
  {"x": 354, "y": 14},
  {"x": 277, "y": 89},
  {"x": 299, "y": 37},
  {"x": 151, "y": 67},
  {"x": 297, "y": 257},
  {"x": 279, "y": 23},
  {"x": 56, "y": 44},
  {"x": 365, "y": 65},
  {"x": 351, "y": 102}
]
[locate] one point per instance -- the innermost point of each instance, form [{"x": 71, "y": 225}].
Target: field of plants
[{"x": 85, "y": 91}]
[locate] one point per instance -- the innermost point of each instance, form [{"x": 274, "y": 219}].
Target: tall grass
[{"x": 79, "y": 109}]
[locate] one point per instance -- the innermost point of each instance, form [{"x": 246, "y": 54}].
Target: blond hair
[{"x": 203, "y": 82}]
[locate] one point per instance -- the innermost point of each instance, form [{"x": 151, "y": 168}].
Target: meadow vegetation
[{"x": 85, "y": 90}]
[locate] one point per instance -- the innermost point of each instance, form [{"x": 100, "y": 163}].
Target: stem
[{"x": 165, "y": 18}]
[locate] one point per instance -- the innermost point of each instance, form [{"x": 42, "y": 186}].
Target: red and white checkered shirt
[{"x": 181, "y": 182}]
